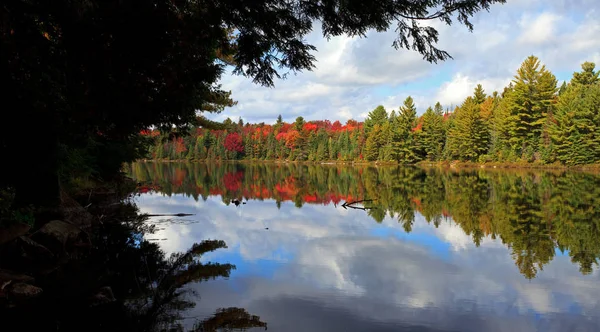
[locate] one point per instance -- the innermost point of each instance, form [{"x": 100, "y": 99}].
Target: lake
[{"x": 365, "y": 248}]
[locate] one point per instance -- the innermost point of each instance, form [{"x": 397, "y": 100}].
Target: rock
[
  {"x": 104, "y": 295},
  {"x": 22, "y": 291},
  {"x": 7, "y": 275},
  {"x": 33, "y": 251},
  {"x": 12, "y": 232},
  {"x": 74, "y": 213},
  {"x": 24, "y": 255},
  {"x": 60, "y": 237}
]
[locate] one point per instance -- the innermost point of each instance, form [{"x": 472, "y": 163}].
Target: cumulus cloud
[
  {"x": 538, "y": 30},
  {"x": 354, "y": 75},
  {"x": 461, "y": 86}
]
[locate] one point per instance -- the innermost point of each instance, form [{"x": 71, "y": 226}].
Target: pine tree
[
  {"x": 574, "y": 129},
  {"x": 530, "y": 102},
  {"x": 386, "y": 151},
  {"x": 374, "y": 143},
  {"x": 432, "y": 133},
  {"x": 562, "y": 88},
  {"x": 469, "y": 135},
  {"x": 587, "y": 76},
  {"x": 479, "y": 95},
  {"x": 392, "y": 116},
  {"x": 404, "y": 143},
  {"x": 299, "y": 123},
  {"x": 376, "y": 117}
]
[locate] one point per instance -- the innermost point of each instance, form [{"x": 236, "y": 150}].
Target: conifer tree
[
  {"x": 530, "y": 102},
  {"x": 587, "y": 76},
  {"x": 404, "y": 138},
  {"x": 432, "y": 133},
  {"x": 376, "y": 117},
  {"x": 374, "y": 143},
  {"x": 469, "y": 135},
  {"x": 574, "y": 129},
  {"x": 479, "y": 95}
]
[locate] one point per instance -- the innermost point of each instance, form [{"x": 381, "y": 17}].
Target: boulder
[
  {"x": 21, "y": 291},
  {"x": 9, "y": 233},
  {"x": 7, "y": 275},
  {"x": 30, "y": 251},
  {"x": 60, "y": 237},
  {"x": 74, "y": 213},
  {"x": 103, "y": 296},
  {"x": 25, "y": 255}
]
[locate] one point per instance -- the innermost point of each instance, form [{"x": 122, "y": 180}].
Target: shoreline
[{"x": 457, "y": 165}]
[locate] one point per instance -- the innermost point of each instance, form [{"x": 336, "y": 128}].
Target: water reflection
[
  {"x": 537, "y": 215},
  {"x": 439, "y": 251},
  {"x": 122, "y": 282}
]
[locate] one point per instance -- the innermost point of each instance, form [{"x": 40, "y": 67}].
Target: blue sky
[{"x": 354, "y": 75}]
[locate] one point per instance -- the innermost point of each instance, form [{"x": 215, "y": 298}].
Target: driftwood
[
  {"x": 351, "y": 204},
  {"x": 170, "y": 215}
]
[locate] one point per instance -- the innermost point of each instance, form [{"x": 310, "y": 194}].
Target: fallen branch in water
[
  {"x": 170, "y": 215},
  {"x": 350, "y": 204}
]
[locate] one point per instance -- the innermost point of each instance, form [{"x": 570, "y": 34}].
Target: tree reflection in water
[
  {"x": 532, "y": 212},
  {"x": 123, "y": 283}
]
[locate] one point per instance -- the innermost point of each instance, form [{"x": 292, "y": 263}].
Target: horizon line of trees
[{"x": 531, "y": 120}]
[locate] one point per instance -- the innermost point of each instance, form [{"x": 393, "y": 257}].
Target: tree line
[
  {"x": 525, "y": 210},
  {"x": 531, "y": 120},
  {"x": 85, "y": 77}
]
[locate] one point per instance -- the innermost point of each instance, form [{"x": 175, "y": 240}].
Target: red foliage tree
[
  {"x": 308, "y": 127},
  {"x": 291, "y": 138},
  {"x": 179, "y": 145},
  {"x": 281, "y": 136},
  {"x": 337, "y": 126},
  {"x": 233, "y": 142}
]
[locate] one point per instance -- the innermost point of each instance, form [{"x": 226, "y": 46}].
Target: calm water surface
[{"x": 432, "y": 251}]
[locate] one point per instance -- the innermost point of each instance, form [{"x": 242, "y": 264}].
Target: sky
[
  {"x": 355, "y": 75},
  {"x": 322, "y": 268}
]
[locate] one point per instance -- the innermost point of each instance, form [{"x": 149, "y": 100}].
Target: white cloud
[
  {"x": 538, "y": 30},
  {"x": 354, "y": 75},
  {"x": 461, "y": 86}
]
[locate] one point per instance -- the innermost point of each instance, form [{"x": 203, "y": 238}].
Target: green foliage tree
[
  {"x": 468, "y": 137},
  {"x": 587, "y": 76},
  {"x": 378, "y": 116},
  {"x": 530, "y": 102},
  {"x": 404, "y": 138},
  {"x": 432, "y": 134},
  {"x": 575, "y": 124}
]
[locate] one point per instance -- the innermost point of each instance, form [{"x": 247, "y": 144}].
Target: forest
[
  {"x": 533, "y": 120},
  {"x": 532, "y": 213}
]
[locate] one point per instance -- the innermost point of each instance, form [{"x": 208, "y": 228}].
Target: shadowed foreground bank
[{"x": 94, "y": 270}]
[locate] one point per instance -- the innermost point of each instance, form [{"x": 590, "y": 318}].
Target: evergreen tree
[
  {"x": 438, "y": 109},
  {"x": 432, "y": 133},
  {"x": 299, "y": 124},
  {"x": 376, "y": 117},
  {"x": 562, "y": 88},
  {"x": 479, "y": 95},
  {"x": 469, "y": 135},
  {"x": 404, "y": 142},
  {"x": 530, "y": 102},
  {"x": 386, "y": 151},
  {"x": 374, "y": 143},
  {"x": 575, "y": 125},
  {"x": 587, "y": 76}
]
